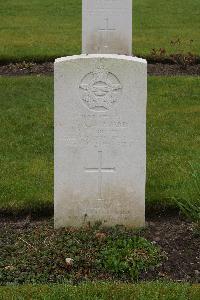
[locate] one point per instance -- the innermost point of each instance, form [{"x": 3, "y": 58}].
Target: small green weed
[
  {"x": 189, "y": 203},
  {"x": 130, "y": 256}
]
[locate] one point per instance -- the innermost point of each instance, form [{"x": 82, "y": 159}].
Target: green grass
[
  {"x": 173, "y": 142},
  {"x": 189, "y": 208},
  {"x": 103, "y": 291},
  {"x": 26, "y": 142},
  {"x": 40, "y": 30}
]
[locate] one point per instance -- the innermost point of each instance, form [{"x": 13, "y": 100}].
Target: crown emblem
[{"x": 100, "y": 89}]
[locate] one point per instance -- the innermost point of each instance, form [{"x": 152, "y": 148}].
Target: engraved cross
[
  {"x": 106, "y": 30},
  {"x": 100, "y": 170}
]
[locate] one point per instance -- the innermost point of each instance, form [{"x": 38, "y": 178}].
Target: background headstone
[
  {"x": 100, "y": 140},
  {"x": 107, "y": 26}
]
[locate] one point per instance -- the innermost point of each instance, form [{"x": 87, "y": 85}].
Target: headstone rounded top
[{"x": 101, "y": 56}]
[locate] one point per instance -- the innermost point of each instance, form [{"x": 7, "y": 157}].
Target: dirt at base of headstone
[
  {"x": 178, "y": 239},
  {"x": 46, "y": 68}
]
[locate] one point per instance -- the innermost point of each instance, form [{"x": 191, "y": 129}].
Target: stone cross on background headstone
[
  {"x": 107, "y": 26},
  {"x": 100, "y": 123},
  {"x": 106, "y": 30}
]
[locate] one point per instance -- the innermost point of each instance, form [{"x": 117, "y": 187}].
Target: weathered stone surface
[
  {"x": 107, "y": 26},
  {"x": 100, "y": 140}
]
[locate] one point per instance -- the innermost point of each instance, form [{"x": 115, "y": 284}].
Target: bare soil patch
[
  {"x": 181, "y": 242},
  {"x": 46, "y": 68},
  {"x": 177, "y": 238}
]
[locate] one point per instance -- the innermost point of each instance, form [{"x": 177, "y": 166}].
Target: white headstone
[
  {"x": 107, "y": 26},
  {"x": 100, "y": 140}
]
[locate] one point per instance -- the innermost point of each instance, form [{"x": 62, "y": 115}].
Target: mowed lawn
[
  {"x": 40, "y": 30},
  {"x": 104, "y": 291},
  {"x": 26, "y": 142}
]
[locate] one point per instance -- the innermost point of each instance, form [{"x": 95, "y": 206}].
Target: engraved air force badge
[{"x": 100, "y": 89}]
